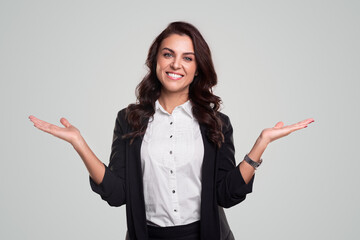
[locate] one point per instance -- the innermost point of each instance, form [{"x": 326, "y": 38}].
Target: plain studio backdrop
[{"x": 276, "y": 61}]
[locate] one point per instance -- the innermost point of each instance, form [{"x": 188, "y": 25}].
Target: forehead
[{"x": 178, "y": 43}]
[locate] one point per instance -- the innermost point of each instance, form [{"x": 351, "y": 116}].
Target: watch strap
[{"x": 251, "y": 162}]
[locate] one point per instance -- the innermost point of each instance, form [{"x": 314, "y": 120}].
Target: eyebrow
[{"x": 172, "y": 51}]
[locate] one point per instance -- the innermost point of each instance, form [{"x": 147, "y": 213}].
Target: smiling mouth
[{"x": 174, "y": 76}]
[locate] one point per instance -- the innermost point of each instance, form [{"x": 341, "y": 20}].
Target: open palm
[
  {"x": 68, "y": 133},
  {"x": 279, "y": 130}
]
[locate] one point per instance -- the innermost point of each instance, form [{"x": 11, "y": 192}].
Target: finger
[
  {"x": 279, "y": 125},
  {"x": 301, "y": 125},
  {"x": 65, "y": 122},
  {"x": 32, "y": 118},
  {"x": 298, "y": 127},
  {"x": 306, "y": 121},
  {"x": 42, "y": 125},
  {"x": 37, "y": 121}
]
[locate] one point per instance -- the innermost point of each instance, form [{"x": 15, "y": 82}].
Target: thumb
[
  {"x": 65, "y": 122},
  {"x": 279, "y": 125}
]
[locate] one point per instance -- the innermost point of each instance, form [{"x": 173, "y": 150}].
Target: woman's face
[{"x": 176, "y": 64}]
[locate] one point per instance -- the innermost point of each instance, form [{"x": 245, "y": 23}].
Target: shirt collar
[{"x": 187, "y": 107}]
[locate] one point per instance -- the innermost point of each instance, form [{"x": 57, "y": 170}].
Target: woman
[{"x": 172, "y": 160}]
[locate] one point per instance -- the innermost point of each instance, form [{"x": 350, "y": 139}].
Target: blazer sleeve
[
  {"x": 112, "y": 187},
  {"x": 231, "y": 187}
]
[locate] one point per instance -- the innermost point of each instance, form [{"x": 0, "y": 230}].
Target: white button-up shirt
[{"x": 172, "y": 153}]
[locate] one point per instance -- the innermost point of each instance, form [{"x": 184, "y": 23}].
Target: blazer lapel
[
  {"x": 135, "y": 190},
  {"x": 209, "y": 209}
]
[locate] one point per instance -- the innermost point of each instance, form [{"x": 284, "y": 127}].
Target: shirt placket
[{"x": 172, "y": 172}]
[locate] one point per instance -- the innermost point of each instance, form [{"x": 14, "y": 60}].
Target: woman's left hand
[
  {"x": 279, "y": 130},
  {"x": 267, "y": 136}
]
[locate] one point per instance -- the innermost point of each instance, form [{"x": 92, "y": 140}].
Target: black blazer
[{"x": 222, "y": 183}]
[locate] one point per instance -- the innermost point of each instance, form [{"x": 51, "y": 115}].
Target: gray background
[{"x": 276, "y": 60}]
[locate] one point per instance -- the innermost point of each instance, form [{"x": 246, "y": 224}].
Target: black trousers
[
  {"x": 225, "y": 231},
  {"x": 183, "y": 232}
]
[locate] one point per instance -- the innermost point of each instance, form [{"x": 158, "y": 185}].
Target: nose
[{"x": 175, "y": 64}]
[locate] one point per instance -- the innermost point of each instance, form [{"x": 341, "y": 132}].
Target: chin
[{"x": 170, "y": 88}]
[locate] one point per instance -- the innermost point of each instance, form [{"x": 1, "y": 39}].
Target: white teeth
[{"x": 174, "y": 75}]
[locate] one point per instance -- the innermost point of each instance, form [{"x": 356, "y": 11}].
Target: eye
[
  {"x": 167, "y": 55},
  {"x": 188, "y": 59}
]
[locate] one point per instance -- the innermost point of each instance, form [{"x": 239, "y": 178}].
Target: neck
[{"x": 170, "y": 101}]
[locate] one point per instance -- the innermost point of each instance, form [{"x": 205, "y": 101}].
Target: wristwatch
[{"x": 251, "y": 162}]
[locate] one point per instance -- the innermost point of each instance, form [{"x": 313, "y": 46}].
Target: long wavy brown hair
[{"x": 205, "y": 103}]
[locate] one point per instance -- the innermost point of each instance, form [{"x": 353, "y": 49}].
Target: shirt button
[
  {"x": 170, "y": 136},
  {"x": 175, "y": 210},
  {"x": 171, "y": 171},
  {"x": 173, "y": 191},
  {"x": 171, "y": 123},
  {"x": 170, "y": 152}
]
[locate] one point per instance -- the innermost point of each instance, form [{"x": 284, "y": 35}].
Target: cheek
[
  {"x": 158, "y": 71},
  {"x": 192, "y": 69},
  {"x": 160, "y": 65}
]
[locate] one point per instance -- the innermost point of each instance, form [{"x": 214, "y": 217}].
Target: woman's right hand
[
  {"x": 72, "y": 135},
  {"x": 68, "y": 133}
]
